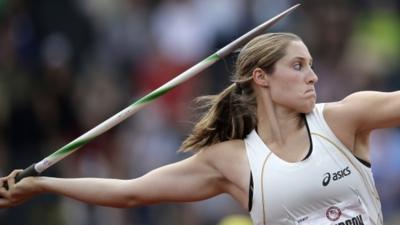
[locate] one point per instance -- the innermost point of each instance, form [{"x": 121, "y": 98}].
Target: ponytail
[{"x": 231, "y": 115}]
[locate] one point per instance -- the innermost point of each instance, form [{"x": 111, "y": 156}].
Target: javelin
[{"x": 37, "y": 168}]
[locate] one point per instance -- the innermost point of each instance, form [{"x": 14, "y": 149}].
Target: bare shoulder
[
  {"x": 339, "y": 117},
  {"x": 355, "y": 109},
  {"x": 223, "y": 148},
  {"x": 348, "y": 117},
  {"x": 346, "y": 109},
  {"x": 356, "y": 102},
  {"x": 230, "y": 159},
  {"x": 223, "y": 154}
]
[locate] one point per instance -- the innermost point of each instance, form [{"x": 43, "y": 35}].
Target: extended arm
[{"x": 188, "y": 180}]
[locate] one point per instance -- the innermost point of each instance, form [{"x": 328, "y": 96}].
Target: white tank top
[{"x": 331, "y": 186}]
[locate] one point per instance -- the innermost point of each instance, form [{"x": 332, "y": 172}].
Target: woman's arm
[
  {"x": 188, "y": 180},
  {"x": 369, "y": 110},
  {"x": 353, "y": 118}
]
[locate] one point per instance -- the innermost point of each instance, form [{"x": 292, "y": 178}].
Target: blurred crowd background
[{"x": 66, "y": 66}]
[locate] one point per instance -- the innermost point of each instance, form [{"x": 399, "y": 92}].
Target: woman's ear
[{"x": 260, "y": 77}]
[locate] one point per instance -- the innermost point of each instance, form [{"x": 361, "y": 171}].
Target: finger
[
  {"x": 11, "y": 178},
  {"x": 3, "y": 193},
  {"x": 3, "y": 181}
]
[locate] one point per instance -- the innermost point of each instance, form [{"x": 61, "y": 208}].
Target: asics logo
[{"x": 335, "y": 176}]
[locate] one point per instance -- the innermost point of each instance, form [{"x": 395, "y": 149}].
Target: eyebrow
[{"x": 303, "y": 59}]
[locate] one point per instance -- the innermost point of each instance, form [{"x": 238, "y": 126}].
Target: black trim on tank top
[
  {"x": 309, "y": 138},
  {"x": 367, "y": 164},
  {"x": 251, "y": 187}
]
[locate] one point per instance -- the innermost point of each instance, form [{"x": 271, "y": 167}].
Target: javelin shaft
[{"x": 71, "y": 147}]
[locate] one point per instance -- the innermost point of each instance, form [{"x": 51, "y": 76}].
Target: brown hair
[{"x": 232, "y": 113}]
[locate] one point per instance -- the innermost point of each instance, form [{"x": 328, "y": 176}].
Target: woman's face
[{"x": 292, "y": 83}]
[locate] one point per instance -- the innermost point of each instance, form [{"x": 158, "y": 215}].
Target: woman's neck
[{"x": 277, "y": 124}]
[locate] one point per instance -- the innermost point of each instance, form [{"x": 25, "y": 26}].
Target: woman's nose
[{"x": 312, "y": 77}]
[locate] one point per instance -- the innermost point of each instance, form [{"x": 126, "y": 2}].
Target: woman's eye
[{"x": 297, "y": 66}]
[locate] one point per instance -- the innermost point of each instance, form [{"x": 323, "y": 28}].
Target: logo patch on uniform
[
  {"x": 333, "y": 213},
  {"x": 335, "y": 176}
]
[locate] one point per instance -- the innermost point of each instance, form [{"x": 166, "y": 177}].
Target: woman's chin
[{"x": 308, "y": 108}]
